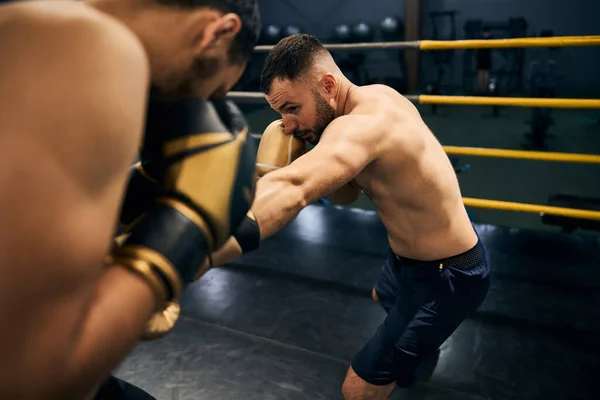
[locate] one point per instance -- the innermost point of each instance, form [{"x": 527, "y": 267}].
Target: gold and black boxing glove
[
  {"x": 247, "y": 233},
  {"x": 141, "y": 193},
  {"x": 276, "y": 149},
  {"x": 204, "y": 164}
]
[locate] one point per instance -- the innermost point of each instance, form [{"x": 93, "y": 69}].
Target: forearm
[
  {"x": 229, "y": 252},
  {"x": 75, "y": 341},
  {"x": 123, "y": 304},
  {"x": 278, "y": 201}
]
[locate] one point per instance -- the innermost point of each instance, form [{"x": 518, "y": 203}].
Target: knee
[
  {"x": 347, "y": 389},
  {"x": 354, "y": 388},
  {"x": 374, "y": 296}
]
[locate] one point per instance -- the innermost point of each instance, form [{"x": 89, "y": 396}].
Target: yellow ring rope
[
  {"x": 463, "y": 100},
  {"x": 509, "y": 101},
  {"x": 531, "y": 208},
  {"x": 557, "y": 41},
  {"x": 514, "y": 154},
  {"x": 523, "y": 154},
  {"x": 425, "y": 45},
  {"x": 560, "y": 41}
]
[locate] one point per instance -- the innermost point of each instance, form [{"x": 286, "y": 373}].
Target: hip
[
  {"x": 447, "y": 282},
  {"x": 431, "y": 243}
]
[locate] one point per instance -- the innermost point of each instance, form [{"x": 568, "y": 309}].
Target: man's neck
[{"x": 342, "y": 100}]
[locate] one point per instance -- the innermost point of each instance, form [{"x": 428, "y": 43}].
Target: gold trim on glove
[
  {"x": 144, "y": 270},
  {"x": 162, "y": 321},
  {"x": 182, "y": 144},
  {"x": 213, "y": 169},
  {"x": 156, "y": 261},
  {"x": 143, "y": 172},
  {"x": 129, "y": 227}
]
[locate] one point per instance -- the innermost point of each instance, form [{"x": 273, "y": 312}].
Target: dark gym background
[
  {"x": 573, "y": 74},
  {"x": 283, "y": 322}
]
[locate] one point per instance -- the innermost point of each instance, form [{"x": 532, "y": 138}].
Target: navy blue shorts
[
  {"x": 117, "y": 389},
  {"x": 425, "y": 302}
]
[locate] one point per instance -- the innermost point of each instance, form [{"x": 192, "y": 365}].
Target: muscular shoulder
[
  {"x": 355, "y": 135},
  {"x": 385, "y": 120},
  {"x": 74, "y": 80},
  {"x": 70, "y": 21},
  {"x": 393, "y": 111},
  {"x": 45, "y": 37},
  {"x": 365, "y": 123}
]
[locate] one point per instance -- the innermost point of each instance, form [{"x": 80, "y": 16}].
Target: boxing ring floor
[{"x": 285, "y": 321}]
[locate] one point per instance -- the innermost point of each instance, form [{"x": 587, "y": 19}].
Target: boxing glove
[
  {"x": 277, "y": 149},
  {"x": 142, "y": 190},
  {"x": 199, "y": 155}
]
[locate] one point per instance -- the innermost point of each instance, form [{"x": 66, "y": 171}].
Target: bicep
[
  {"x": 331, "y": 164},
  {"x": 345, "y": 195}
]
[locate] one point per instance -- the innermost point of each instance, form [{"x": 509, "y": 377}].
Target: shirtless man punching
[
  {"x": 372, "y": 139},
  {"x": 74, "y": 85}
]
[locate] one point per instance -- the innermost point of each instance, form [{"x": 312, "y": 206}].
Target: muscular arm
[
  {"x": 346, "y": 195},
  {"x": 73, "y": 105},
  {"x": 347, "y": 146}
]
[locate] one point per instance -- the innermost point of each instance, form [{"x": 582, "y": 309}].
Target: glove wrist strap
[{"x": 248, "y": 233}]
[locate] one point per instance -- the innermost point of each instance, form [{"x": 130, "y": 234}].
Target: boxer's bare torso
[
  {"x": 73, "y": 87},
  {"x": 411, "y": 181}
]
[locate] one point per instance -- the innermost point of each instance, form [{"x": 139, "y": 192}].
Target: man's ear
[
  {"x": 228, "y": 26},
  {"x": 216, "y": 27},
  {"x": 330, "y": 85}
]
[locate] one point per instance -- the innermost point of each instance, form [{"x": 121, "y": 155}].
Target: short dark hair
[
  {"x": 243, "y": 46},
  {"x": 290, "y": 59}
]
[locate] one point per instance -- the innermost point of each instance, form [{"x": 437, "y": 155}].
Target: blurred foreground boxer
[
  {"x": 74, "y": 87},
  {"x": 373, "y": 139}
]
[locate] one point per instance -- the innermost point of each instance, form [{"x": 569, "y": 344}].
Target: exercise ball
[
  {"x": 390, "y": 28},
  {"x": 292, "y": 30},
  {"x": 342, "y": 33},
  {"x": 362, "y": 32},
  {"x": 271, "y": 34}
]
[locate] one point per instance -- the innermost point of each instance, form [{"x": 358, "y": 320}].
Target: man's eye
[{"x": 292, "y": 109}]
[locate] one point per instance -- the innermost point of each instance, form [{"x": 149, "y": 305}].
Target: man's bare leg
[
  {"x": 354, "y": 388},
  {"x": 374, "y": 296}
]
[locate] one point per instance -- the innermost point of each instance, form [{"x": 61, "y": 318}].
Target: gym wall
[
  {"x": 319, "y": 18},
  {"x": 574, "y": 17}
]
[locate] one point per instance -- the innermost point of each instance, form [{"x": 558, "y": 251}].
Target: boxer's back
[
  {"x": 413, "y": 183},
  {"x": 73, "y": 88}
]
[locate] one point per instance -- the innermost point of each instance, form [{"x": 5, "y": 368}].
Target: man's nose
[{"x": 290, "y": 125}]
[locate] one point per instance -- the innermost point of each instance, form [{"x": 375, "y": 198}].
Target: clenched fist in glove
[{"x": 199, "y": 156}]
